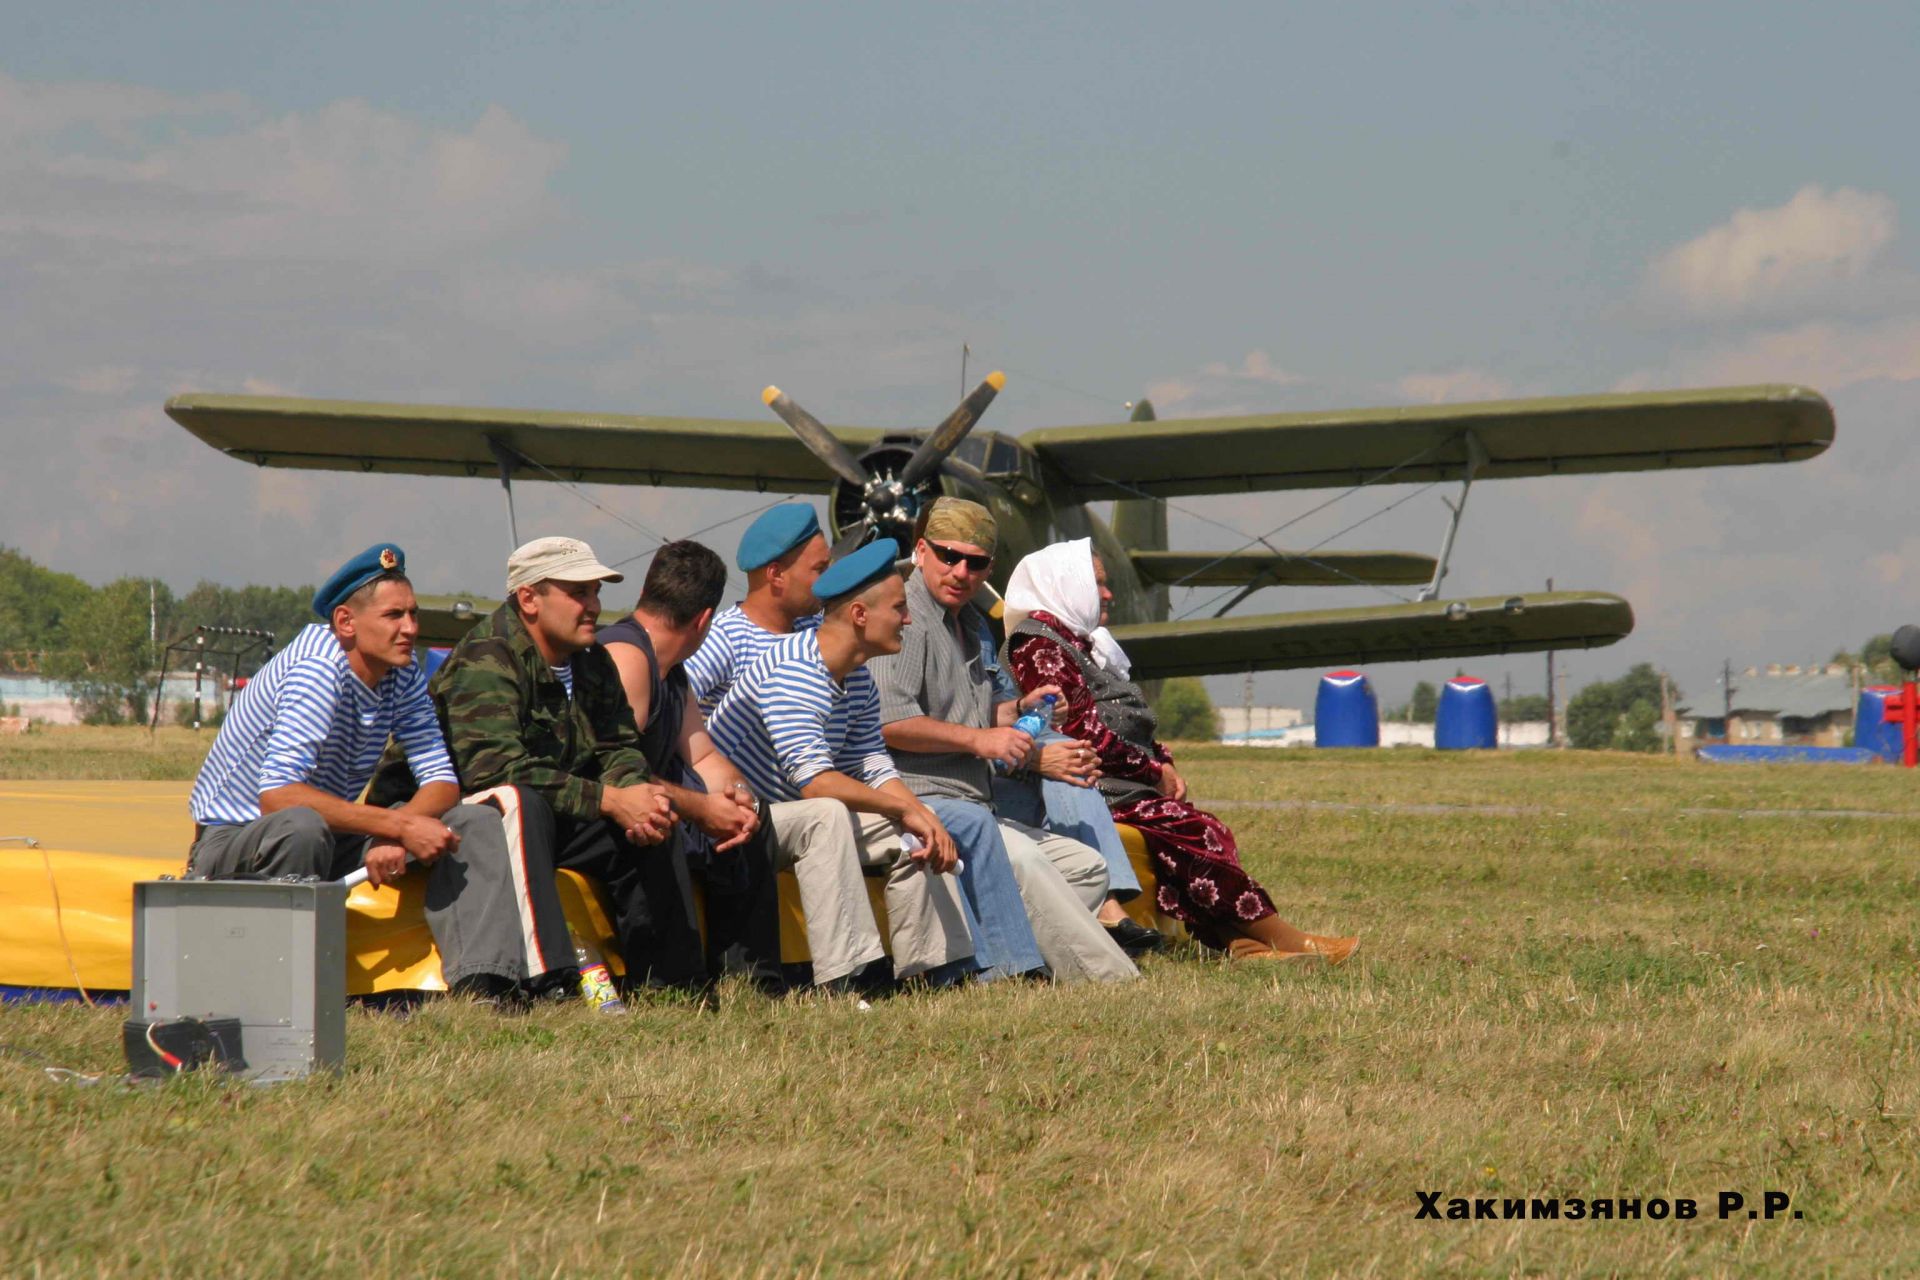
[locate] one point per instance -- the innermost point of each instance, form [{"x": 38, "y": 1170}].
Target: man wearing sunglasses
[{"x": 946, "y": 729}]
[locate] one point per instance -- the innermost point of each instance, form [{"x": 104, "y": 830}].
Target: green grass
[
  {"x": 83, "y": 752},
  {"x": 1617, "y": 976}
]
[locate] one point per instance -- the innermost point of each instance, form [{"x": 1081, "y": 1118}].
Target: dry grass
[{"x": 1607, "y": 981}]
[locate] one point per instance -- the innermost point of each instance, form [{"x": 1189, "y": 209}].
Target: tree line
[{"x": 104, "y": 644}]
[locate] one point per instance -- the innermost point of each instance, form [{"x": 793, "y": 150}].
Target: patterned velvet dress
[{"x": 1194, "y": 856}]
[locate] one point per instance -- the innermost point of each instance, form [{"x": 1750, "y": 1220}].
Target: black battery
[{"x": 165, "y": 1047}]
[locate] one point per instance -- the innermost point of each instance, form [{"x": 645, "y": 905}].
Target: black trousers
[{"x": 652, "y": 891}]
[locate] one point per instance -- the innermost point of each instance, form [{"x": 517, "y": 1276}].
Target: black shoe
[
  {"x": 556, "y": 986},
  {"x": 502, "y": 995},
  {"x": 1137, "y": 939}
]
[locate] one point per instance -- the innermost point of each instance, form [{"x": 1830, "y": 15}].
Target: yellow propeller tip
[
  {"x": 997, "y": 380},
  {"x": 769, "y": 395}
]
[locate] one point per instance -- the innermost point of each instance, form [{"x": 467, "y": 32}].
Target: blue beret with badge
[
  {"x": 775, "y": 533},
  {"x": 381, "y": 557},
  {"x": 855, "y": 570}
]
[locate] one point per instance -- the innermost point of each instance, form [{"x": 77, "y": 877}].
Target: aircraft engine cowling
[{"x": 883, "y": 505}]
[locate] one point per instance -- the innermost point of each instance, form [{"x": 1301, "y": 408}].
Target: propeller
[
  {"x": 819, "y": 441},
  {"x": 947, "y": 436},
  {"x": 887, "y": 501}
]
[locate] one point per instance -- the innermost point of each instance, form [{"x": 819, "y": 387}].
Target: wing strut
[
  {"x": 1476, "y": 458},
  {"x": 509, "y": 462}
]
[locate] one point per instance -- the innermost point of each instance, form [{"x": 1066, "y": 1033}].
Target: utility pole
[
  {"x": 1667, "y": 717},
  {"x": 1553, "y": 732},
  {"x": 1726, "y": 695}
]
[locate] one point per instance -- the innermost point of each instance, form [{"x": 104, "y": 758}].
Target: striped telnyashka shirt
[
  {"x": 787, "y": 720},
  {"x": 731, "y": 646},
  {"x": 307, "y": 718}
]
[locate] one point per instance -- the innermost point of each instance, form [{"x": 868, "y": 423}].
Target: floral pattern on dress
[{"x": 1189, "y": 846}]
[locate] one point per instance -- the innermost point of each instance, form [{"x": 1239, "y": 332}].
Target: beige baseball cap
[{"x": 561, "y": 559}]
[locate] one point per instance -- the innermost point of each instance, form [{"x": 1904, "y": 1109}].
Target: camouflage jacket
[{"x": 507, "y": 719}]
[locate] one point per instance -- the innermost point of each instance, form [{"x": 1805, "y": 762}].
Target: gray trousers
[
  {"x": 489, "y": 910},
  {"x": 818, "y": 841},
  {"x": 1063, "y": 883},
  {"x": 925, "y": 917}
]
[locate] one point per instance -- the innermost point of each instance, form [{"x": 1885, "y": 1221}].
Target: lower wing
[{"x": 1383, "y": 633}]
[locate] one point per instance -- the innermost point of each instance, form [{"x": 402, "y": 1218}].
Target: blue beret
[
  {"x": 382, "y": 557},
  {"x": 775, "y": 533},
  {"x": 858, "y": 568}
]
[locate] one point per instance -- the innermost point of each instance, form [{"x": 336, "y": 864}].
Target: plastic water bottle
[
  {"x": 1033, "y": 722},
  {"x": 1037, "y": 720}
]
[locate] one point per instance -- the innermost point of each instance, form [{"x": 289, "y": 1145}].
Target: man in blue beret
[
  {"x": 783, "y": 553},
  {"x": 802, "y": 722},
  {"x": 278, "y": 794}
]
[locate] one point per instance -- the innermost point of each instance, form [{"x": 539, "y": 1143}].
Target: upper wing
[
  {"x": 1283, "y": 569},
  {"x": 438, "y": 440},
  {"x": 1387, "y": 633},
  {"x": 1569, "y": 435}
]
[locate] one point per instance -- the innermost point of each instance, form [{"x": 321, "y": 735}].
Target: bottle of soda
[{"x": 596, "y": 983}]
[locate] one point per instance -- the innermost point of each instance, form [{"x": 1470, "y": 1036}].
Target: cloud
[
  {"x": 132, "y": 173},
  {"x": 1258, "y": 366},
  {"x": 1827, "y": 355},
  {"x": 1220, "y": 388},
  {"x": 1453, "y": 386},
  {"x": 1806, "y": 247}
]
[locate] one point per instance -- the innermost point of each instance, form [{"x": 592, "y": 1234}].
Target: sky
[{"x": 1230, "y": 208}]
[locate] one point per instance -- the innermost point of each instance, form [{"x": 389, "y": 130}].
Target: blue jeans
[
  {"x": 1079, "y": 813},
  {"x": 1003, "y": 940}
]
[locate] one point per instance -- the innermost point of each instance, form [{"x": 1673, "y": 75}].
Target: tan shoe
[
  {"x": 1248, "y": 949},
  {"x": 1336, "y": 950}
]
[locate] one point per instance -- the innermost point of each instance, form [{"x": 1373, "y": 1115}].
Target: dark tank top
[{"x": 666, "y": 704}]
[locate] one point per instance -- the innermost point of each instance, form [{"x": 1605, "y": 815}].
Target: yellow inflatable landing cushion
[{"x": 68, "y": 904}]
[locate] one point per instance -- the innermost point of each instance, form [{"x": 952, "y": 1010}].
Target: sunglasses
[{"x": 950, "y": 557}]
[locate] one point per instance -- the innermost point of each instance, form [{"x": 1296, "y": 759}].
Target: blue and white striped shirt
[
  {"x": 307, "y": 718},
  {"x": 731, "y": 646},
  {"x": 787, "y": 720}
]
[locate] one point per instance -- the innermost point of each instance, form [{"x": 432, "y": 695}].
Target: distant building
[
  {"x": 1237, "y": 722},
  {"x": 1805, "y": 706},
  {"x": 1393, "y": 733}
]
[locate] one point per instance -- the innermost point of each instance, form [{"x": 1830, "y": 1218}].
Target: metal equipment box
[{"x": 271, "y": 953}]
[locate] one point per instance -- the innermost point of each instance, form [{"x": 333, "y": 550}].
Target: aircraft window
[
  {"x": 1005, "y": 457},
  {"x": 973, "y": 451}
]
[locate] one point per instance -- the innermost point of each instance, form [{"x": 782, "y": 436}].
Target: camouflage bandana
[{"x": 958, "y": 520}]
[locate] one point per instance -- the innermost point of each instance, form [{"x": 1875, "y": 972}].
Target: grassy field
[
  {"x": 1583, "y": 975},
  {"x": 81, "y": 752}
]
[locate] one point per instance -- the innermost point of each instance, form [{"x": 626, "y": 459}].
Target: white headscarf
[{"x": 1059, "y": 579}]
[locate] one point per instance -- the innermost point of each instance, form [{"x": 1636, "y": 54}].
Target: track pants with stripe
[{"x": 491, "y": 903}]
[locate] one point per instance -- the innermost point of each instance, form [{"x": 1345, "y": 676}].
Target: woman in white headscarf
[{"x": 1056, "y": 635}]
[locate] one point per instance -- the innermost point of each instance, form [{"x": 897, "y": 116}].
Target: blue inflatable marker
[
  {"x": 1345, "y": 713},
  {"x": 1870, "y": 727},
  {"x": 1466, "y": 720}
]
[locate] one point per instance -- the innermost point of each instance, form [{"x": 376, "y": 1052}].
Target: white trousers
[
  {"x": 818, "y": 841},
  {"x": 1062, "y": 882},
  {"x": 924, "y": 915}
]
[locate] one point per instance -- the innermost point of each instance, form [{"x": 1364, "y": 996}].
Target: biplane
[{"x": 1043, "y": 486}]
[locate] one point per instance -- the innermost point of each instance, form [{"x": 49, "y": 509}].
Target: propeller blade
[
  {"x": 853, "y": 540},
  {"x": 819, "y": 441},
  {"x": 934, "y": 449}
]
